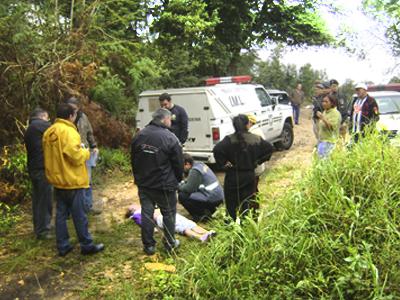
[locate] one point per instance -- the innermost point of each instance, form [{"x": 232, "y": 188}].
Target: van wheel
[{"x": 286, "y": 137}]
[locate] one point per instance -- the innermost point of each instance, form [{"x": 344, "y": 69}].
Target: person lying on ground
[{"x": 183, "y": 225}]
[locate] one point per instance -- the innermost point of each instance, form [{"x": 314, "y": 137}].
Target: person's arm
[
  {"x": 192, "y": 182},
  {"x": 324, "y": 120},
  {"x": 219, "y": 152},
  {"x": 266, "y": 150},
  {"x": 73, "y": 149},
  {"x": 90, "y": 136},
  {"x": 184, "y": 126},
  {"x": 176, "y": 159}
]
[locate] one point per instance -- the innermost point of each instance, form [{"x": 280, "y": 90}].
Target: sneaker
[
  {"x": 93, "y": 249},
  {"x": 45, "y": 236},
  {"x": 66, "y": 251},
  {"x": 151, "y": 250},
  {"x": 174, "y": 247}
]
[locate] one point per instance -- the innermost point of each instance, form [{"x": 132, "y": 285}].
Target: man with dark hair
[
  {"x": 65, "y": 166},
  {"x": 201, "y": 192},
  {"x": 342, "y": 105},
  {"x": 87, "y": 137},
  {"x": 179, "y": 118},
  {"x": 157, "y": 164},
  {"x": 41, "y": 189}
]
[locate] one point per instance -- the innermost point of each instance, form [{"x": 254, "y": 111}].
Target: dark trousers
[
  {"x": 42, "y": 193},
  {"x": 166, "y": 201},
  {"x": 197, "y": 208},
  {"x": 72, "y": 202},
  {"x": 239, "y": 190},
  {"x": 296, "y": 112}
]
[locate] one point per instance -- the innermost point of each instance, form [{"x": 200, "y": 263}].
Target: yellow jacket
[{"x": 64, "y": 157}]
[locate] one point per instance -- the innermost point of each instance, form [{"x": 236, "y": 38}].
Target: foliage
[
  {"x": 274, "y": 74},
  {"x": 8, "y": 217},
  {"x": 382, "y": 9},
  {"x": 111, "y": 163},
  {"x": 347, "y": 89},
  {"x": 334, "y": 236},
  {"x": 14, "y": 179}
]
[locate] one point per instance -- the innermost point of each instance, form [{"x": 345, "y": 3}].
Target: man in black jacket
[
  {"x": 41, "y": 189},
  {"x": 179, "y": 117},
  {"x": 157, "y": 164}
]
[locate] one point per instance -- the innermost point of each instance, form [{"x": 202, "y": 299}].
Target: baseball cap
[
  {"x": 361, "y": 86},
  {"x": 252, "y": 118}
]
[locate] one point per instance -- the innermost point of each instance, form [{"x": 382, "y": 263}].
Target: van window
[{"x": 264, "y": 98}]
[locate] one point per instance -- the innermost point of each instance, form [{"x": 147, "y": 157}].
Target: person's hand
[{"x": 319, "y": 114}]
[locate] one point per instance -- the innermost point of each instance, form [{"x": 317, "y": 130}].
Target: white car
[
  {"x": 280, "y": 96},
  {"x": 389, "y": 111}
]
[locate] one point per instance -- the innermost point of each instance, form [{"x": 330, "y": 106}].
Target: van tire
[{"x": 286, "y": 138}]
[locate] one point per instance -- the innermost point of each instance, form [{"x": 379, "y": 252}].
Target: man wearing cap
[
  {"x": 364, "y": 111},
  {"x": 157, "y": 164},
  {"x": 179, "y": 117},
  {"x": 342, "y": 105}
]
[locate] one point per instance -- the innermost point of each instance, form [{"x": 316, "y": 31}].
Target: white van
[{"x": 211, "y": 108}]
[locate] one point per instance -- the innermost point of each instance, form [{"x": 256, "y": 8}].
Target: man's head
[
  {"x": 165, "y": 101},
  {"x": 67, "y": 112},
  {"x": 334, "y": 85},
  {"x": 162, "y": 115},
  {"x": 299, "y": 86},
  {"x": 187, "y": 162},
  {"x": 39, "y": 113},
  {"x": 361, "y": 90},
  {"x": 74, "y": 102}
]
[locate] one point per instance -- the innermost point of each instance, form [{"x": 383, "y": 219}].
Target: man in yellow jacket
[{"x": 65, "y": 167}]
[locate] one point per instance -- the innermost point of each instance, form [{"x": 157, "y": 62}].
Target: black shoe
[
  {"x": 149, "y": 250},
  {"x": 93, "y": 249},
  {"x": 66, "y": 251}
]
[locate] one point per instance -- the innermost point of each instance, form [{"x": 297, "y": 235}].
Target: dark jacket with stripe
[{"x": 156, "y": 158}]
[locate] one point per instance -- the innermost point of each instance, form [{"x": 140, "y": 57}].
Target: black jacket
[
  {"x": 156, "y": 158},
  {"x": 256, "y": 151},
  {"x": 179, "y": 124},
  {"x": 33, "y": 143}
]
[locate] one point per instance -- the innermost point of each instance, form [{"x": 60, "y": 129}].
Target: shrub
[
  {"x": 334, "y": 236},
  {"x": 14, "y": 179},
  {"x": 8, "y": 217},
  {"x": 111, "y": 161}
]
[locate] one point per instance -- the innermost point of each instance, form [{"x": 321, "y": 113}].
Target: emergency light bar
[{"x": 230, "y": 79}]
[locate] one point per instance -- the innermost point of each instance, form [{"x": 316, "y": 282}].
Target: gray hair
[{"x": 160, "y": 114}]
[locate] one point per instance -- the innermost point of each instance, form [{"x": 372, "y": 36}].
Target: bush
[
  {"x": 335, "y": 236},
  {"x": 111, "y": 161},
  {"x": 15, "y": 184},
  {"x": 8, "y": 217}
]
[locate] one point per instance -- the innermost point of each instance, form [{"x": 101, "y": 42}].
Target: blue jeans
[
  {"x": 324, "y": 149},
  {"x": 166, "y": 201},
  {"x": 72, "y": 202},
  {"x": 42, "y": 192},
  {"x": 296, "y": 112}
]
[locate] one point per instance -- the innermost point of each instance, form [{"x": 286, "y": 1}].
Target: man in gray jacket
[{"x": 201, "y": 193}]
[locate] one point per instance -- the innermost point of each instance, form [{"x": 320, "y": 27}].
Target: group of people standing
[
  {"x": 58, "y": 160},
  {"x": 332, "y": 114},
  {"x": 159, "y": 165}
]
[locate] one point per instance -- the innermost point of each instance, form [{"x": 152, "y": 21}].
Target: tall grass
[{"x": 336, "y": 236}]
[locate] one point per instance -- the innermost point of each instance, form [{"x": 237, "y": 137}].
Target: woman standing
[
  {"x": 240, "y": 153},
  {"x": 328, "y": 126}
]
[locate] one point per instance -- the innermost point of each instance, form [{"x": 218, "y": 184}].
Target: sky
[{"x": 377, "y": 65}]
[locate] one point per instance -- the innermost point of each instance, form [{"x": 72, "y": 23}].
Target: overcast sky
[{"x": 377, "y": 66}]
